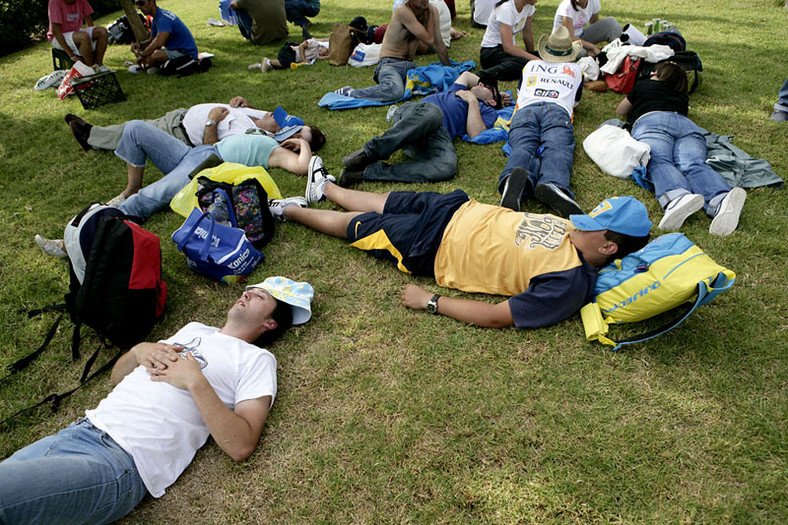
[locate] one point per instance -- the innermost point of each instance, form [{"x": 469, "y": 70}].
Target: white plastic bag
[
  {"x": 365, "y": 55},
  {"x": 615, "y": 151}
]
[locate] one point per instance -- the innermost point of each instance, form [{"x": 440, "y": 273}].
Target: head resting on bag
[{"x": 625, "y": 223}]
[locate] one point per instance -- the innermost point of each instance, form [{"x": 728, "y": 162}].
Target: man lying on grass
[
  {"x": 168, "y": 398},
  {"x": 546, "y": 264}
]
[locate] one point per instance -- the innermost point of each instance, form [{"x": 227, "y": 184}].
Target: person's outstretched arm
[{"x": 466, "y": 310}]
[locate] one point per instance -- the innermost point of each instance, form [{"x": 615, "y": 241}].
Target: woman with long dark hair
[{"x": 683, "y": 182}]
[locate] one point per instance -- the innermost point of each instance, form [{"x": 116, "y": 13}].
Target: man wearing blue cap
[
  {"x": 546, "y": 264},
  {"x": 169, "y": 397},
  {"x": 204, "y": 124}
]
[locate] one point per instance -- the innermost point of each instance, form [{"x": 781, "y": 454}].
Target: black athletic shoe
[
  {"x": 358, "y": 160},
  {"x": 80, "y": 129},
  {"x": 555, "y": 198},
  {"x": 349, "y": 177},
  {"x": 512, "y": 193}
]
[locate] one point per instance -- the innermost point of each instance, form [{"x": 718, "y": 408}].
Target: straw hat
[{"x": 559, "y": 46}]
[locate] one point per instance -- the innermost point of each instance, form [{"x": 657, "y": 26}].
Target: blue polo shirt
[
  {"x": 455, "y": 110},
  {"x": 180, "y": 38}
]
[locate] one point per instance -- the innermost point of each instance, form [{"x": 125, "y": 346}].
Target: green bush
[{"x": 23, "y": 22}]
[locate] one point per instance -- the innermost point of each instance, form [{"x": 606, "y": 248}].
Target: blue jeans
[
  {"x": 417, "y": 128},
  {"x": 244, "y": 23},
  {"x": 678, "y": 159},
  {"x": 542, "y": 124},
  {"x": 390, "y": 74},
  {"x": 298, "y": 10},
  {"x": 782, "y": 99},
  {"x": 141, "y": 141},
  {"x": 79, "y": 475}
]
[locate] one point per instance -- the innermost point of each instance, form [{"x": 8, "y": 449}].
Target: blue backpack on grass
[{"x": 670, "y": 272}]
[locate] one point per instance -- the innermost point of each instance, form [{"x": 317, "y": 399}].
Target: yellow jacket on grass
[{"x": 186, "y": 199}]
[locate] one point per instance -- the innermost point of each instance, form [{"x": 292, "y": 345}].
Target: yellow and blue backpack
[{"x": 670, "y": 272}]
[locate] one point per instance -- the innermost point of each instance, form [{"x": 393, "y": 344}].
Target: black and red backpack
[{"x": 116, "y": 288}]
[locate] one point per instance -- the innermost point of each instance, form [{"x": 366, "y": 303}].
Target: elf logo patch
[{"x": 547, "y": 93}]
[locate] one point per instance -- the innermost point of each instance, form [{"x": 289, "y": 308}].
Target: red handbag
[{"x": 624, "y": 80}]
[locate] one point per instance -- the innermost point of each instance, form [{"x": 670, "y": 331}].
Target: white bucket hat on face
[{"x": 297, "y": 294}]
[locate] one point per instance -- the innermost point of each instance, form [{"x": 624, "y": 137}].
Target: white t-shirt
[
  {"x": 237, "y": 122},
  {"x": 579, "y": 18},
  {"x": 547, "y": 82},
  {"x": 506, "y": 14},
  {"x": 159, "y": 425}
]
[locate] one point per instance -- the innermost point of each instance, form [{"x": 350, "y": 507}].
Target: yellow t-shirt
[{"x": 495, "y": 250}]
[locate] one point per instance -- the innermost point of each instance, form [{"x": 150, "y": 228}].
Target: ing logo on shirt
[
  {"x": 543, "y": 231},
  {"x": 192, "y": 348}
]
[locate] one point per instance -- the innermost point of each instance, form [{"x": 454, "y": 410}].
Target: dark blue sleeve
[
  {"x": 163, "y": 25},
  {"x": 489, "y": 115},
  {"x": 552, "y": 297}
]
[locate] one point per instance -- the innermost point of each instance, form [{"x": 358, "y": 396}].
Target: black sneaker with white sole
[
  {"x": 513, "y": 187},
  {"x": 551, "y": 195}
]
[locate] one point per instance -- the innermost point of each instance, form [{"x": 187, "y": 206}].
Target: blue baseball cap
[
  {"x": 624, "y": 215},
  {"x": 285, "y": 120}
]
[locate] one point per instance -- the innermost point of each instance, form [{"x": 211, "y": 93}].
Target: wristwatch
[
  {"x": 210, "y": 123},
  {"x": 432, "y": 304}
]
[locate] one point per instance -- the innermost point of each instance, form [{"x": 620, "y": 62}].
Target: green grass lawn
[{"x": 391, "y": 415}]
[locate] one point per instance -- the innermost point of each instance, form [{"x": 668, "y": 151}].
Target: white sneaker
[
  {"x": 101, "y": 68},
  {"x": 117, "y": 200},
  {"x": 136, "y": 68},
  {"x": 391, "y": 112},
  {"x": 277, "y": 206},
  {"x": 52, "y": 247},
  {"x": 51, "y": 80},
  {"x": 266, "y": 65},
  {"x": 316, "y": 180},
  {"x": 728, "y": 212},
  {"x": 679, "y": 209}
]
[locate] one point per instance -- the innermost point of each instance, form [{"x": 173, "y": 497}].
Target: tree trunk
[{"x": 140, "y": 33}]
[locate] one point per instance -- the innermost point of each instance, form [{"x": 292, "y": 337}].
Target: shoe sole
[
  {"x": 512, "y": 193},
  {"x": 727, "y": 219},
  {"x": 673, "y": 220},
  {"x": 557, "y": 200}
]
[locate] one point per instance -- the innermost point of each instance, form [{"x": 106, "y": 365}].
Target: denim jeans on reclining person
[
  {"x": 417, "y": 129},
  {"x": 79, "y": 475},
  {"x": 141, "y": 141},
  {"x": 390, "y": 75},
  {"x": 542, "y": 124},
  {"x": 678, "y": 159}
]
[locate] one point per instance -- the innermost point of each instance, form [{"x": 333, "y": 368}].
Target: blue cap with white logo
[
  {"x": 285, "y": 120},
  {"x": 625, "y": 215}
]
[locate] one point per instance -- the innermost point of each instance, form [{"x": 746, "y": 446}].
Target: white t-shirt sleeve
[{"x": 258, "y": 378}]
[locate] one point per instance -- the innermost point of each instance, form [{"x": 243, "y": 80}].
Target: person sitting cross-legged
[
  {"x": 168, "y": 398},
  {"x": 169, "y": 39},
  {"x": 546, "y": 264}
]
